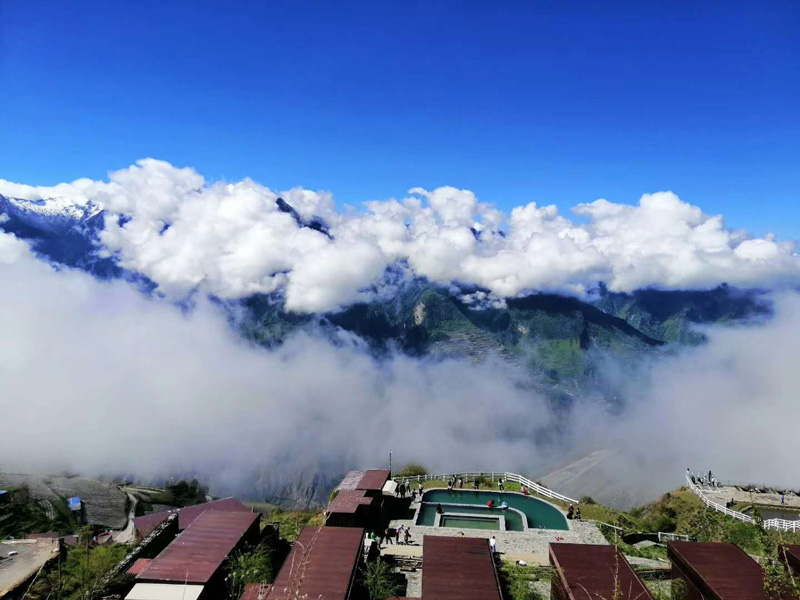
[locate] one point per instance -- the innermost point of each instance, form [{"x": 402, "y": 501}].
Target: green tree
[
  {"x": 249, "y": 567},
  {"x": 378, "y": 581},
  {"x": 411, "y": 469}
]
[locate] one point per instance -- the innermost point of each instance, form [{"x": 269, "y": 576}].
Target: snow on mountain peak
[{"x": 56, "y": 207}]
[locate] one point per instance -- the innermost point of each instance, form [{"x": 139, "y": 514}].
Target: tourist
[
  {"x": 578, "y": 513},
  {"x": 439, "y": 509},
  {"x": 399, "y": 532},
  {"x": 420, "y": 487},
  {"x": 493, "y": 545},
  {"x": 476, "y": 483},
  {"x": 382, "y": 538},
  {"x": 571, "y": 511},
  {"x": 461, "y": 482},
  {"x": 449, "y": 486},
  {"x": 407, "y": 535},
  {"x": 503, "y": 505},
  {"x": 490, "y": 504},
  {"x": 501, "y": 485},
  {"x": 389, "y": 534},
  {"x": 783, "y": 498},
  {"x": 525, "y": 491}
]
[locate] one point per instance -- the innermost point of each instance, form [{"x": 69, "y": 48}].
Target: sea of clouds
[
  {"x": 231, "y": 240},
  {"x": 97, "y": 378}
]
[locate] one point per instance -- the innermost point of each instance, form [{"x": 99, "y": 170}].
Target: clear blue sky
[{"x": 553, "y": 102}]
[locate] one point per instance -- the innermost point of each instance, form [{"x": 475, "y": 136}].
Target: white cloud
[
  {"x": 230, "y": 240},
  {"x": 99, "y": 379}
]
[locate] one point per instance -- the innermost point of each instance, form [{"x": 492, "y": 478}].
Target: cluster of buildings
[{"x": 184, "y": 554}]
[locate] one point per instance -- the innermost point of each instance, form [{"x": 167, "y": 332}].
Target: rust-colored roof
[
  {"x": 255, "y": 591},
  {"x": 321, "y": 564},
  {"x": 196, "y": 554},
  {"x": 140, "y": 565},
  {"x": 188, "y": 514},
  {"x": 588, "y": 571},
  {"x": 458, "y": 568},
  {"x": 148, "y": 523},
  {"x": 721, "y": 571},
  {"x": 373, "y": 480},
  {"x": 792, "y": 556},
  {"x": 348, "y": 501}
]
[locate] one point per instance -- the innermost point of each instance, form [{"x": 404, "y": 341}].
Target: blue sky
[{"x": 551, "y": 102}]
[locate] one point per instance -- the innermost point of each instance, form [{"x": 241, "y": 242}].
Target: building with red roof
[
  {"x": 322, "y": 564},
  {"x": 588, "y": 572},
  {"x": 715, "y": 571},
  {"x": 458, "y": 568}
]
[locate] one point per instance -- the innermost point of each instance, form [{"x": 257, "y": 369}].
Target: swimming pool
[
  {"x": 427, "y": 515},
  {"x": 470, "y": 522},
  {"x": 539, "y": 515}
]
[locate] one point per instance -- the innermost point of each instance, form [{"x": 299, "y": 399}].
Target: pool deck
[{"x": 531, "y": 546}]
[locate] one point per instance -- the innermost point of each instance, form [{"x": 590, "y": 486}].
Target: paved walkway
[
  {"x": 726, "y": 493},
  {"x": 531, "y": 543}
]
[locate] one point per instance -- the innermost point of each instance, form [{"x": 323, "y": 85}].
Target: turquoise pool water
[
  {"x": 471, "y": 523},
  {"x": 427, "y": 515},
  {"x": 538, "y": 514}
]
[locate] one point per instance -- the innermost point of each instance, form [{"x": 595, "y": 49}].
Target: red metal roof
[
  {"x": 140, "y": 565},
  {"x": 321, "y": 564},
  {"x": 146, "y": 524},
  {"x": 792, "y": 556},
  {"x": 188, "y": 514},
  {"x": 196, "y": 554},
  {"x": 587, "y": 572},
  {"x": 373, "y": 480},
  {"x": 721, "y": 571},
  {"x": 255, "y": 591},
  {"x": 348, "y": 501},
  {"x": 458, "y": 568}
]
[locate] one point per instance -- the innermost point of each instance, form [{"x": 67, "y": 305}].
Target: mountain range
[{"x": 557, "y": 337}]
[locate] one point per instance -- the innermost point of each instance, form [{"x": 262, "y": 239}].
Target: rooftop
[
  {"x": 348, "y": 501},
  {"x": 147, "y": 523},
  {"x": 458, "y": 568},
  {"x": 586, "y": 572},
  {"x": 721, "y": 570},
  {"x": 255, "y": 591},
  {"x": 197, "y": 553},
  {"x": 322, "y": 563},
  {"x": 164, "y": 591},
  {"x": 371, "y": 480},
  {"x": 792, "y": 557},
  {"x": 32, "y": 554}
]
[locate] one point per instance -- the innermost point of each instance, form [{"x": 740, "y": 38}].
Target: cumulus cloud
[{"x": 232, "y": 240}]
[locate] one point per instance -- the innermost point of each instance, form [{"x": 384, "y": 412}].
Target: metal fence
[
  {"x": 493, "y": 476},
  {"x": 781, "y": 524}
]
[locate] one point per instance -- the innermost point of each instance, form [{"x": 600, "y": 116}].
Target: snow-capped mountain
[{"x": 60, "y": 231}]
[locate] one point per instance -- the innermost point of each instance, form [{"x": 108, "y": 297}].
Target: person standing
[
  {"x": 407, "y": 535},
  {"x": 501, "y": 484},
  {"x": 578, "y": 513},
  {"x": 493, "y": 545},
  {"x": 389, "y": 534}
]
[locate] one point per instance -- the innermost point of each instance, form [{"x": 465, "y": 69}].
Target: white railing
[
  {"x": 781, "y": 524},
  {"x": 531, "y": 485}
]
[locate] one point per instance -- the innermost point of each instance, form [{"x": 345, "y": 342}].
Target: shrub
[{"x": 411, "y": 469}]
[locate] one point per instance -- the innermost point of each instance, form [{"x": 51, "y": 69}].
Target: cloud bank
[
  {"x": 96, "y": 378},
  {"x": 231, "y": 240}
]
